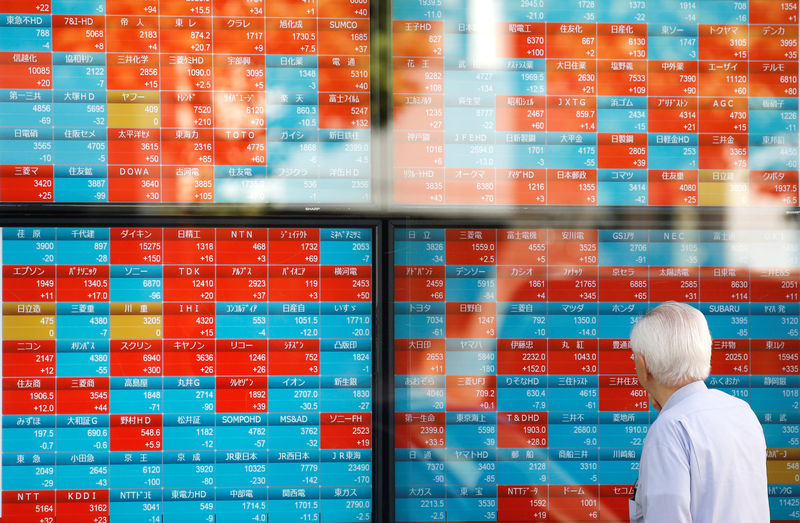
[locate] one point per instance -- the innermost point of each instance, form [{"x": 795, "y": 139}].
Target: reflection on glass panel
[
  {"x": 161, "y": 374},
  {"x": 588, "y": 102},
  {"x": 192, "y": 101},
  {"x": 516, "y": 397}
]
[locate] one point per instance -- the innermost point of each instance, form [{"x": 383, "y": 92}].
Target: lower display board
[
  {"x": 187, "y": 374},
  {"x": 515, "y": 393}
]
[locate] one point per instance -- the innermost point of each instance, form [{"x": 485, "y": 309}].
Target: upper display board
[
  {"x": 202, "y": 101},
  {"x": 587, "y": 102}
]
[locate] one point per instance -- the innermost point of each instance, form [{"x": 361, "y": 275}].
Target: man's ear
[{"x": 641, "y": 366}]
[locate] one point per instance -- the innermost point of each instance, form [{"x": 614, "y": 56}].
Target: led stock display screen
[
  {"x": 595, "y": 102},
  {"x": 190, "y": 101},
  {"x": 515, "y": 393},
  {"x": 186, "y": 374}
]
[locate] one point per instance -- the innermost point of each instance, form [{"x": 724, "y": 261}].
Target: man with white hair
[{"x": 704, "y": 459}]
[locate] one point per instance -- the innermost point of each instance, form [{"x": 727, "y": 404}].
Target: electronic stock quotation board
[
  {"x": 189, "y": 101},
  {"x": 163, "y": 374},
  {"x": 515, "y": 393},
  {"x": 168, "y": 374},
  {"x": 595, "y": 102}
]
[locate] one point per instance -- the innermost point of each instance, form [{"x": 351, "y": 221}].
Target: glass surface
[
  {"x": 594, "y": 102},
  {"x": 187, "y": 374},
  {"x": 185, "y": 101},
  {"x": 515, "y": 393},
  {"x": 551, "y": 169}
]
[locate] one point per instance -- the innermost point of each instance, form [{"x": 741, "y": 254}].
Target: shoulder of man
[
  {"x": 670, "y": 426},
  {"x": 720, "y": 399}
]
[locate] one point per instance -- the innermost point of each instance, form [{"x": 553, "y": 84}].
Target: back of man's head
[{"x": 675, "y": 342}]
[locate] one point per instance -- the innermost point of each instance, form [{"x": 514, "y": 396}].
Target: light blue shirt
[{"x": 704, "y": 460}]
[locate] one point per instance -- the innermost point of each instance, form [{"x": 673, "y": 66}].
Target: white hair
[{"x": 675, "y": 342}]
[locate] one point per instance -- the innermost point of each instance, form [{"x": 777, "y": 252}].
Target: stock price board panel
[
  {"x": 515, "y": 394},
  {"x": 186, "y": 374},
  {"x": 199, "y": 101},
  {"x": 595, "y": 102}
]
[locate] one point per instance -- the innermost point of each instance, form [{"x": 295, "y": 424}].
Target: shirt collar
[{"x": 683, "y": 393}]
